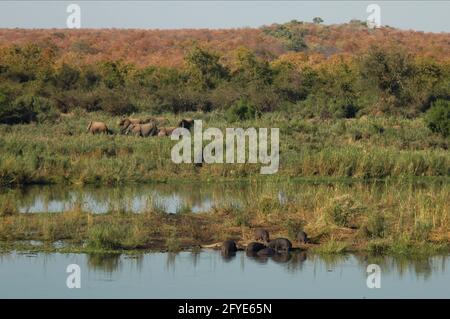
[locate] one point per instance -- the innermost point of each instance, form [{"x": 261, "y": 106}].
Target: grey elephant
[
  {"x": 143, "y": 130},
  {"x": 262, "y": 234},
  {"x": 186, "y": 123},
  {"x": 158, "y": 120},
  {"x": 165, "y": 131},
  {"x": 281, "y": 244},
  {"x": 96, "y": 127},
  {"x": 125, "y": 123}
]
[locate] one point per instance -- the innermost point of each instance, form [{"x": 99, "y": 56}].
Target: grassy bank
[
  {"x": 401, "y": 219},
  {"x": 358, "y": 148}
]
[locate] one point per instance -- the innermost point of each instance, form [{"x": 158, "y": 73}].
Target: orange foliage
[{"x": 167, "y": 47}]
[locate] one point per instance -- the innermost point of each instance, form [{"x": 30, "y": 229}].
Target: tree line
[{"x": 385, "y": 80}]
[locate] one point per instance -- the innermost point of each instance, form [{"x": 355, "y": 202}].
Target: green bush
[
  {"x": 103, "y": 236},
  {"x": 240, "y": 111},
  {"x": 26, "y": 109},
  {"x": 438, "y": 117},
  {"x": 116, "y": 103}
]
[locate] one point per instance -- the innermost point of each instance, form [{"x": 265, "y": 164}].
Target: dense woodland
[{"x": 306, "y": 69}]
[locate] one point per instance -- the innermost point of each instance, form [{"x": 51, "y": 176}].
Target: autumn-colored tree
[{"x": 205, "y": 71}]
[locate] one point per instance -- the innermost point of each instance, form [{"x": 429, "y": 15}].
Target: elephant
[
  {"x": 157, "y": 120},
  {"x": 280, "y": 244},
  {"x": 134, "y": 129},
  {"x": 262, "y": 234},
  {"x": 96, "y": 127},
  {"x": 266, "y": 252},
  {"x": 166, "y": 131},
  {"x": 253, "y": 248},
  {"x": 186, "y": 123},
  {"x": 125, "y": 123},
  {"x": 228, "y": 247},
  {"x": 302, "y": 237},
  {"x": 144, "y": 130}
]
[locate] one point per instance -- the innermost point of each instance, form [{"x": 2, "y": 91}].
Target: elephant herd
[
  {"x": 152, "y": 126},
  {"x": 264, "y": 247}
]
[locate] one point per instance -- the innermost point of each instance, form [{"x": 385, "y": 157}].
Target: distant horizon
[
  {"x": 420, "y": 16},
  {"x": 206, "y": 28}
]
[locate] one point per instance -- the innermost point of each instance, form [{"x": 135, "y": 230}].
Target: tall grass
[
  {"x": 394, "y": 217},
  {"x": 63, "y": 153}
]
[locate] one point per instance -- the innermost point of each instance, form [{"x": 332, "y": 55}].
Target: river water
[{"x": 206, "y": 274}]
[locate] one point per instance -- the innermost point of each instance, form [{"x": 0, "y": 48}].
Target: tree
[
  {"x": 27, "y": 63},
  {"x": 249, "y": 70},
  {"x": 205, "y": 71},
  {"x": 115, "y": 73},
  {"x": 66, "y": 77},
  {"x": 317, "y": 20},
  {"x": 390, "y": 70},
  {"x": 438, "y": 117}
]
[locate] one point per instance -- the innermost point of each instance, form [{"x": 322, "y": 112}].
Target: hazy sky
[{"x": 418, "y": 15}]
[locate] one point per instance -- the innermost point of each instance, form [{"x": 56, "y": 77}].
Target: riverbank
[{"x": 401, "y": 219}]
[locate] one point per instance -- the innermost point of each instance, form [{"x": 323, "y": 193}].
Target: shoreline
[
  {"x": 22, "y": 248},
  {"x": 82, "y": 232},
  {"x": 246, "y": 179}
]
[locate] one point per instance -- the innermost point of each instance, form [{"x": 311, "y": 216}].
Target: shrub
[
  {"x": 26, "y": 109},
  {"x": 106, "y": 236},
  {"x": 240, "y": 111},
  {"x": 437, "y": 117},
  {"x": 116, "y": 103},
  {"x": 342, "y": 212},
  {"x": 376, "y": 226}
]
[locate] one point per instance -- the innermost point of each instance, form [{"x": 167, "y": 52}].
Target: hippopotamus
[
  {"x": 229, "y": 247},
  {"x": 280, "y": 244},
  {"x": 302, "y": 237},
  {"x": 266, "y": 252},
  {"x": 262, "y": 234},
  {"x": 253, "y": 248}
]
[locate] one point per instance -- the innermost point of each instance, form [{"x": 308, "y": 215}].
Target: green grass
[
  {"x": 398, "y": 217},
  {"x": 331, "y": 247},
  {"x": 62, "y": 152}
]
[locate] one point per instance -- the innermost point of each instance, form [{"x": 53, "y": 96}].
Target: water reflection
[
  {"x": 195, "y": 197},
  {"x": 207, "y": 274},
  {"x": 292, "y": 262},
  {"x": 103, "y": 262}
]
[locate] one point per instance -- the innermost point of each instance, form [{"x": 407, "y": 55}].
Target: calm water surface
[{"x": 207, "y": 274}]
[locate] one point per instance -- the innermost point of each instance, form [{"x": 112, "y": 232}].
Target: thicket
[{"x": 385, "y": 80}]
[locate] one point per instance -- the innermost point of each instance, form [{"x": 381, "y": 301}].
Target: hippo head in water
[
  {"x": 228, "y": 248},
  {"x": 280, "y": 244}
]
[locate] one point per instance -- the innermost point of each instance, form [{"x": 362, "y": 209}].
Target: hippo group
[{"x": 277, "y": 248}]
